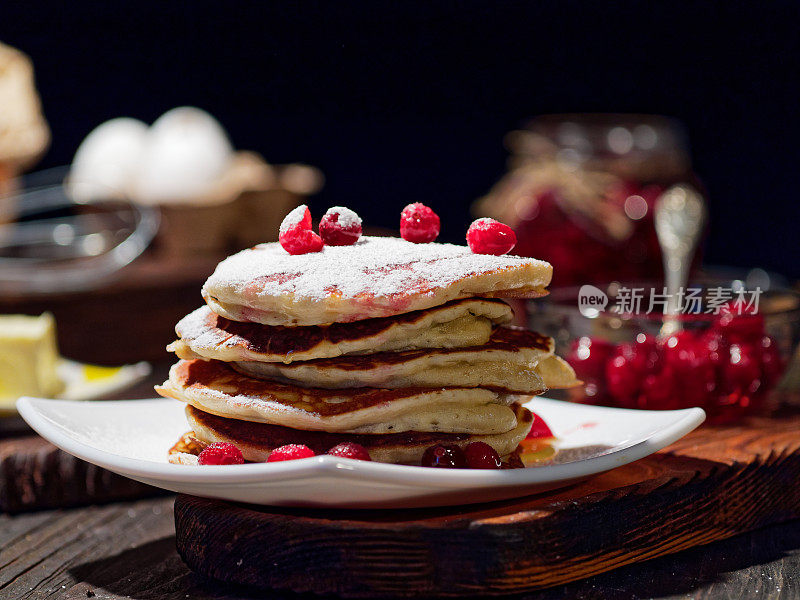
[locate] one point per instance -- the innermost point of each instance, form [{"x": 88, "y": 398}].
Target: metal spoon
[{"x": 680, "y": 215}]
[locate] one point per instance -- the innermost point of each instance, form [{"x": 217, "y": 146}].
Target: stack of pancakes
[{"x": 392, "y": 345}]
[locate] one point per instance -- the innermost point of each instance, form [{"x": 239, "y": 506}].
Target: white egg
[
  {"x": 187, "y": 152},
  {"x": 108, "y": 159}
]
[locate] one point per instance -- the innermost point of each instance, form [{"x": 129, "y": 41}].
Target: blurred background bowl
[
  {"x": 732, "y": 363},
  {"x": 51, "y": 242}
]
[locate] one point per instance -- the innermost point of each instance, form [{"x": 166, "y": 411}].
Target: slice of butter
[{"x": 28, "y": 358}]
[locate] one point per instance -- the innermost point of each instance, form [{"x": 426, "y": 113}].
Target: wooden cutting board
[
  {"x": 34, "y": 475},
  {"x": 713, "y": 484}
]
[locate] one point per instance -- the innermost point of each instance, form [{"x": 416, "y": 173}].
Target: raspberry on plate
[
  {"x": 481, "y": 455},
  {"x": 340, "y": 226},
  {"x": 539, "y": 429},
  {"x": 290, "y": 452},
  {"x": 419, "y": 224},
  {"x": 444, "y": 457},
  {"x": 487, "y": 236},
  {"x": 350, "y": 450},
  {"x": 220, "y": 453},
  {"x": 295, "y": 235}
]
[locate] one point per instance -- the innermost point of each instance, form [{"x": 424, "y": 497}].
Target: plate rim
[{"x": 686, "y": 420}]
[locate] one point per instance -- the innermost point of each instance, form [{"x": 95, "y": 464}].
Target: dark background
[{"x": 400, "y": 102}]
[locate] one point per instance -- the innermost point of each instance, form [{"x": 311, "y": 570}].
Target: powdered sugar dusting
[
  {"x": 196, "y": 327},
  {"x": 295, "y": 217},
  {"x": 347, "y": 218},
  {"x": 372, "y": 267}
]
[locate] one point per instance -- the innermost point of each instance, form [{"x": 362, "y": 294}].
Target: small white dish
[
  {"x": 89, "y": 382},
  {"x": 92, "y": 382},
  {"x": 132, "y": 437}
]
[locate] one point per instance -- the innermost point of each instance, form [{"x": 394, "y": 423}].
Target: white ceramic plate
[
  {"x": 89, "y": 382},
  {"x": 131, "y": 437}
]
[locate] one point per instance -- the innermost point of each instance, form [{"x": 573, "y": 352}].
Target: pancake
[
  {"x": 458, "y": 324},
  {"x": 257, "y": 440},
  {"x": 557, "y": 373},
  {"x": 214, "y": 387},
  {"x": 507, "y": 362},
  {"x": 375, "y": 277}
]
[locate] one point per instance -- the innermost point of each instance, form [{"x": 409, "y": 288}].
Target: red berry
[
  {"x": 716, "y": 346},
  {"x": 295, "y": 235},
  {"x": 742, "y": 373},
  {"x": 622, "y": 377},
  {"x": 487, "y": 236},
  {"x": 739, "y": 323},
  {"x": 646, "y": 354},
  {"x": 350, "y": 450},
  {"x": 589, "y": 356},
  {"x": 301, "y": 242},
  {"x": 771, "y": 361},
  {"x": 481, "y": 455},
  {"x": 220, "y": 453},
  {"x": 678, "y": 346},
  {"x": 444, "y": 457},
  {"x": 419, "y": 224},
  {"x": 340, "y": 226},
  {"x": 659, "y": 392},
  {"x": 695, "y": 378},
  {"x": 539, "y": 429},
  {"x": 290, "y": 452},
  {"x": 298, "y": 218}
]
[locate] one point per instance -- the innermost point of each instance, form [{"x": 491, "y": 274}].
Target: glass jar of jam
[{"x": 580, "y": 192}]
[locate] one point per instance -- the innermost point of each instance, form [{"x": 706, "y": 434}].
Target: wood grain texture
[
  {"x": 35, "y": 475},
  {"x": 127, "y": 550},
  {"x": 715, "y": 483}
]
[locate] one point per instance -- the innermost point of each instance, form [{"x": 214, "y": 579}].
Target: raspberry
[
  {"x": 679, "y": 346},
  {"x": 295, "y": 233},
  {"x": 301, "y": 242},
  {"x": 444, "y": 457},
  {"x": 746, "y": 327},
  {"x": 350, "y": 450},
  {"x": 742, "y": 373},
  {"x": 487, "y": 236},
  {"x": 298, "y": 218},
  {"x": 771, "y": 361},
  {"x": 290, "y": 452},
  {"x": 539, "y": 428},
  {"x": 646, "y": 354},
  {"x": 340, "y": 227},
  {"x": 481, "y": 455},
  {"x": 588, "y": 357},
  {"x": 716, "y": 345},
  {"x": 659, "y": 392},
  {"x": 622, "y": 378},
  {"x": 220, "y": 453},
  {"x": 419, "y": 224}
]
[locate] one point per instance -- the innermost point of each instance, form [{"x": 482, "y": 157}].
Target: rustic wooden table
[{"x": 127, "y": 550}]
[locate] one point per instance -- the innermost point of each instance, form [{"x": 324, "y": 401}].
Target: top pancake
[{"x": 376, "y": 277}]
